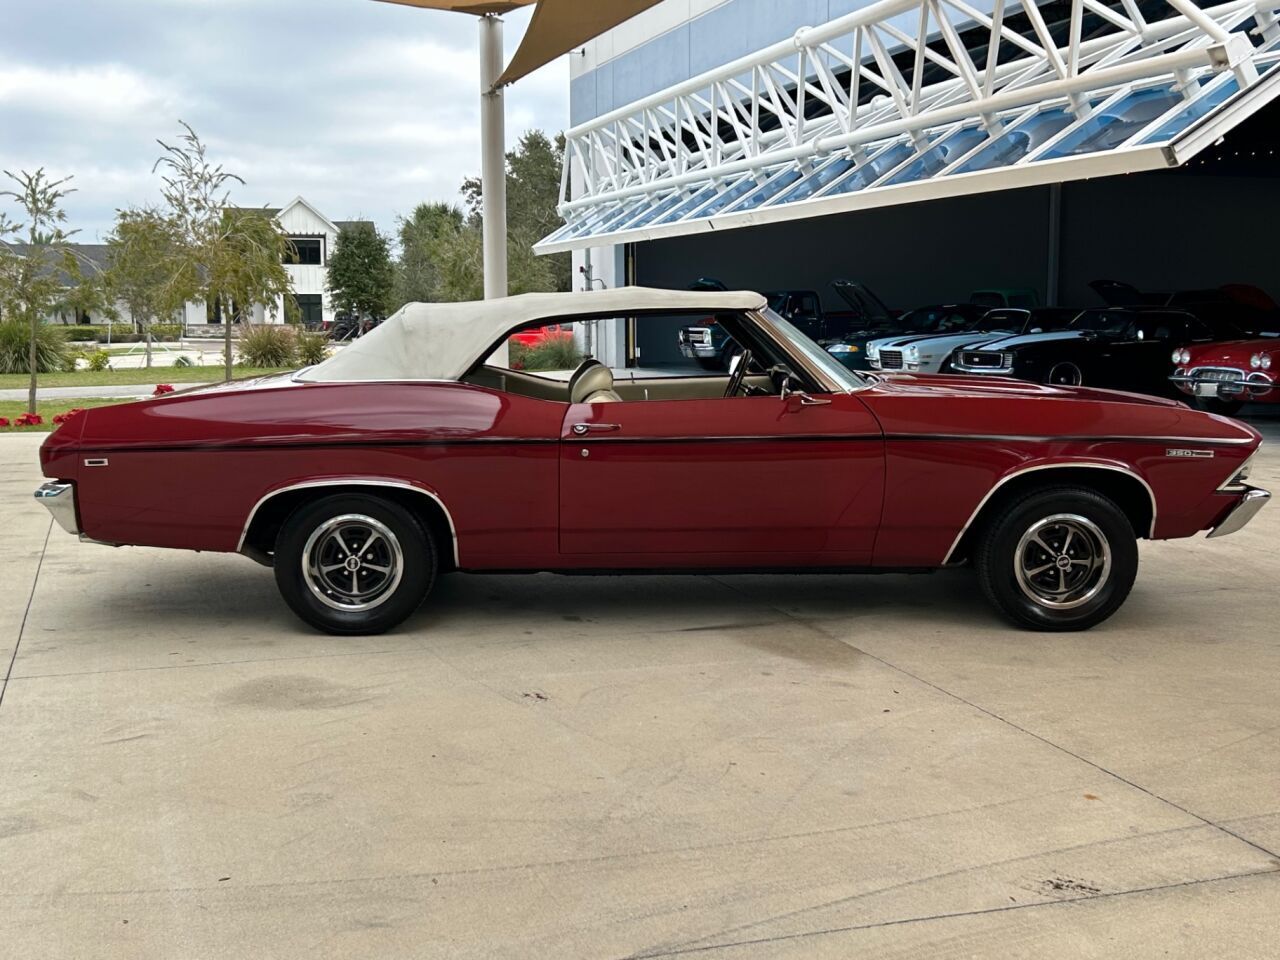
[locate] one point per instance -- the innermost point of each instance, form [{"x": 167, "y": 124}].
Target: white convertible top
[{"x": 442, "y": 341}]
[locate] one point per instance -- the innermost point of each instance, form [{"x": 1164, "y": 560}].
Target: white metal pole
[{"x": 493, "y": 165}]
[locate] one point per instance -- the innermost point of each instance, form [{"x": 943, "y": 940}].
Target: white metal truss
[{"x": 887, "y": 105}]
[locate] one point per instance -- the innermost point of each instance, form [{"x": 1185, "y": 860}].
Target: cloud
[
  {"x": 364, "y": 108},
  {"x": 106, "y": 93}
]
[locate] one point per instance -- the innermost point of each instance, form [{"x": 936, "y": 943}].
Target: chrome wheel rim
[
  {"x": 352, "y": 562},
  {"x": 1065, "y": 375},
  {"x": 1062, "y": 561}
]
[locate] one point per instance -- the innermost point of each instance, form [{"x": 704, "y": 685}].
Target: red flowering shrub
[
  {"x": 4, "y": 421},
  {"x": 162, "y": 388},
  {"x": 61, "y": 418},
  {"x": 28, "y": 420}
]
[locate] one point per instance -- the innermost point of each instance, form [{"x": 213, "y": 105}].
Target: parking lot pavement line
[
  {"x": 817, "y": 628},
  {"x": 681, "y": 951},
  {"x": 26, "y": 612}
]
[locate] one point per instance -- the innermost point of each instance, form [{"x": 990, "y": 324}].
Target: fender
[
  {"x": 352, "y": 481},
  {"x": 1062, "y": 465}
]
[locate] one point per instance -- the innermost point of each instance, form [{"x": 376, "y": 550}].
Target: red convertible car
[
  {"x": 1223, "y": 377},
  {"x": 408, "y": 455}
]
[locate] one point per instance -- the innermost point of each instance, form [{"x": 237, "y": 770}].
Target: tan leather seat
[{"x": 592, "y": 382}]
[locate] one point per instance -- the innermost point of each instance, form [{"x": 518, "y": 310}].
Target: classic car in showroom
[
  {"x": 1120, "y": 348},
  {"x": 408, "y": 455},
  {"x": 842, "y": 332},
  {"x": 962, "y": 325},
  {"x": 1223, "y": 377},
  {"x": 854, "y": 350}
]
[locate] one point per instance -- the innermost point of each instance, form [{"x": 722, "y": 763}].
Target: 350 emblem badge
[{"x": 1186, "y": 452}]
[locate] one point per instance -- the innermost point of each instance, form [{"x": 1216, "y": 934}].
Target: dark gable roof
[
  {"x": 340, "y": 224},
  {"x": 94, "y": 257}
]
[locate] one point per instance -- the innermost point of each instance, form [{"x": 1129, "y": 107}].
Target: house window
[
  {"x": 306, "y": 250},
  {"x": 310, "y": 310}
]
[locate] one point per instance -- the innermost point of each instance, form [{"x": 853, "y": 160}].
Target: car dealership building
[{"x": 925, "y": 148}]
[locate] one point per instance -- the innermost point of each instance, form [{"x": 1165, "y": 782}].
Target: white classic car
[{"x": 931, "y": 352}]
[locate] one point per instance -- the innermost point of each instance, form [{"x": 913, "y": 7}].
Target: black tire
[
  {"x": 1105, "y": 558},
  {"x": 1226, "y": 408},
  {"x": 1064, "y": 374},
  {"x": 399, "y": 558}
]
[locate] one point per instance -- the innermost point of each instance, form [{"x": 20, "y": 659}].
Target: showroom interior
[{"x": 1194, "y": 216}]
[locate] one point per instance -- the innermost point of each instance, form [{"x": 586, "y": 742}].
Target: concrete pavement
[{"x": 737, "y": 767}]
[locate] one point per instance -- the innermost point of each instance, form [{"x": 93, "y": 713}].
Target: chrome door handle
[
  {"x": 582, "y": 429},
  {"x": 808, "y": 401}
]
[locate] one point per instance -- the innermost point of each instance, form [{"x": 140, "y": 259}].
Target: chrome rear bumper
[
  {"x": 1251, "y": 501},
  {"x": 60, "y": 498}
]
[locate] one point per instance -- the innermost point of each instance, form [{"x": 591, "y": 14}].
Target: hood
[
  {"x": 1234, "y": 353},
  {"x": 1014, "y": 341},
  {"x": 947, "y": 385},
  {"x": 946, "y": 340}
]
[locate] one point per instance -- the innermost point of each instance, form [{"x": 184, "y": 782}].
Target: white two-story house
[{"x": 313, "y": 236}]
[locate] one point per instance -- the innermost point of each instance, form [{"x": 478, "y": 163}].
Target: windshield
[
  {"x": 1102, "y": 321},
  {"x": 1002, "y": 321},
  {"x": 802, "y": 344}
]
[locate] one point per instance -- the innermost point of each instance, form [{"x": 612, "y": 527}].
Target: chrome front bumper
[
  {"x": 60, "y": 498},
  {"x": 1250, "y": 502},
  {"x": 1255, "y": 385}
]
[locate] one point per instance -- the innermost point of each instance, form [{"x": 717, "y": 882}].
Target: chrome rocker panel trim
[{"x": 1253, "y": 500}]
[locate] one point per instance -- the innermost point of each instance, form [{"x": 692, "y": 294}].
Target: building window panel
[
  {"x": 1018, "y": 141},
  {"x": 1112, "y": 126},
  {"x": 306, "y": 251}
]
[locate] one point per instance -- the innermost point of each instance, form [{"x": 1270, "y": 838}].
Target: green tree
[
  {"x": 34, "y": 280},
  {"x": 533, "y": 192},
  {"x": 143, "y": 249},
  {"x": 360, "y": 273},
  {"x": 423, "y": 234},
  {"x": 227, "y": 255}
]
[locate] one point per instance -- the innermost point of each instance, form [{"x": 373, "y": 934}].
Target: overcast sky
[{"x": 364, "y": 108}]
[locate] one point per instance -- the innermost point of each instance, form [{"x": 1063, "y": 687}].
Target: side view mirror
[{"x": 784, "y": 381}]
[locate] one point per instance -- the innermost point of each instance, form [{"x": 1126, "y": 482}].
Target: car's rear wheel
[
  {"x": 354, "y": 564},
  {"x": 1065, "y": 374},
  {"x": 1062, "y": 558},
  {"x": 1227, "y": 408}
]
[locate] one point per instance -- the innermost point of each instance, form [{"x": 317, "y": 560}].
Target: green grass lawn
[
  {"x": 11, "y": 409},
  {"x": 107, "y": 378}
]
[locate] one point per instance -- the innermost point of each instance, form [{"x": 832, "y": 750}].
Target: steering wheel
[{"x": 738, "y": 375}]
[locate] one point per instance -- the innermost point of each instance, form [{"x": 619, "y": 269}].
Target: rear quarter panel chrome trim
[
  {"x": 1064, "y": 465},
  {"x": 352, "y": 482}
]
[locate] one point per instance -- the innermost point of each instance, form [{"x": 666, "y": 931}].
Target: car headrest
[{"x": 591, "y": 377}]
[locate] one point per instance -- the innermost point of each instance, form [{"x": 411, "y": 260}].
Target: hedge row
[{"x": 120, "y": 332}]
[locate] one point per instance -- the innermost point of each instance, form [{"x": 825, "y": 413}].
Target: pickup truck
[{"x": 710, "y": 346}]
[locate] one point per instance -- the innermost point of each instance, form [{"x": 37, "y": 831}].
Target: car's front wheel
[
  {"x": 1062, "y": 558},
  {"x": 1065, "y": 374},
  {"x": 354, "y": 564}
]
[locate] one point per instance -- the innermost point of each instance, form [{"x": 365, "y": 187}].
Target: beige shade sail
[
  {"x": 478, "y": 8},
  {"x": 557, "y": 26}
]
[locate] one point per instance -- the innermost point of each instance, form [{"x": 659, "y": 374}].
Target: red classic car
[
  {"x": 540, "y": 335},
  {"x": 408, "y": 455},
  {"x": 1223, "y": 377}
]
